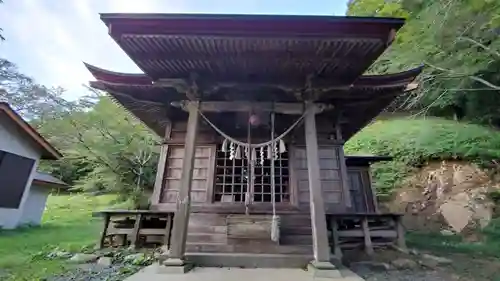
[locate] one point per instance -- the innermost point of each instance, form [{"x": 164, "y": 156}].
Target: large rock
[
  {"x": 135, "y": 259},
  {"x": 373, "y": 265},
  {"x": 83, "y": 258},
  {"x": 403, "y": 263},
  {"x": 105, "y": 261},
  {"x": 438, "y": 260},
  {"x": 448, "y": 195}
]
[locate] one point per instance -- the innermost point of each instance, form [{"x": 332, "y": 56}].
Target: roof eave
[{"x": 49, "y": 152}]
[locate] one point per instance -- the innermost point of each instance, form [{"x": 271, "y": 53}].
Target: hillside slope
[{"x": 414, "y": 142}]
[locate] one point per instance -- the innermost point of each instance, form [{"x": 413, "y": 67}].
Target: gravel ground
[
  {"x": 402, "y": 275},
  {"x": 94, "y": 272}
]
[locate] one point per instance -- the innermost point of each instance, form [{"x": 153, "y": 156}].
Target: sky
[{"x": 49, "y": 39}]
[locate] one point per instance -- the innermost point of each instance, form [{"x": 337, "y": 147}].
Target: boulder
[
  {"x": 449, "y": 195},
  {"x": 373, "y": 265},
  {"x": 59, "y": 255},
  {"x": 83, "y": 258},
  {"x": 403, "y": 263},
  {"x": 137, "y": 258},
  {"x": 436, "y": 259},
  {"x": 447, "y": 232},
  {"x": 105, "y": 261}
]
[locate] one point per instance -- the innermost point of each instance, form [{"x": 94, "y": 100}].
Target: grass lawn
[{"x": 67, "y": 224}]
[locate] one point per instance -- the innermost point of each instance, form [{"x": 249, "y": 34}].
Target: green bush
[{"x": 413, "y": 142}]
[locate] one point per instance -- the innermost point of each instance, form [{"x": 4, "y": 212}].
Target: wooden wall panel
[
  {"x": 203, "y": 168},
  {"x": 360, "y": 187},
  {"x": 331, "y": 179}
]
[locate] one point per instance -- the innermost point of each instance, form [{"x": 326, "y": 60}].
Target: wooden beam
[
  {"x": 135, "y": 233},
  {"x": 262, "y": 57},
  {"x": 181, "y": 218},
  {"x": 367, "y": 236},
  {"x": 335, "y": 238},
  {"x": 401, "y": 232},
  {"x": 104, "y": 231},
  {"x": 240, "y": 106},
  {"x": 317, "y": 206},
  {"x": 160, "y": 170},
  {"x": 346, "y": 194}
]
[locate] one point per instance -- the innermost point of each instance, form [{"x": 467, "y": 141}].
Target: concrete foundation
[{"x": 152, "y": 273}]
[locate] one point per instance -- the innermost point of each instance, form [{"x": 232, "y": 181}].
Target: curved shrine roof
[{"x": 150, "y": 102}]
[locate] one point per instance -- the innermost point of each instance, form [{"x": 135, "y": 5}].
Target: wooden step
[
  {"x": 251, "y": 260},
  {"x": 303, "y": 230},
  {"x": 250, "y": 249},
  {"x": 296, "y": 240},
  {"x": 207, "y": 238}
]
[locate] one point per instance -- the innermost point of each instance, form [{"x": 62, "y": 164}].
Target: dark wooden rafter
[{"x": 287, "y": 56}]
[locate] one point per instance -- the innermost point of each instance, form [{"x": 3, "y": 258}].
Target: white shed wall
[
  {"x": 13, "y": 140},
  {"x": 34, "y": 205}
]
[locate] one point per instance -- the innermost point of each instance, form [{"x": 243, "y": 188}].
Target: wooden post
[
  {"x": 160, "y": 171},
  {"x": 105, "y": 230},
  {"x": 400, "y": 232},
  {"x": 335, "y": 237},
  {"x": 367, "y": 237},
  {"x": 168, "y": 229},
  {"x": 135, "y": 233},
  {"x": 318, "y": 217},
  {"x": 181, "y": 217}
]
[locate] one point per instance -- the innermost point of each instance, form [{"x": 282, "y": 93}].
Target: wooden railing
[
  {"x": 136, "y": 228},
  {"x": 367, "y": 230}
]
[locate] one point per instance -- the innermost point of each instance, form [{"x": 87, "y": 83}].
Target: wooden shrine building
[{"x": 254, "y": 111}]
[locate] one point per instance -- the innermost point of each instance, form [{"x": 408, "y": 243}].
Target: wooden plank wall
[
  {"x": 330, "y": 172},
  {"x": 360, "y": 186},
  {"x": 202, "y": 174}
]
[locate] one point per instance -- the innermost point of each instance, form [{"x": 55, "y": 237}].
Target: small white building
[{"x": 23, "y": 191}]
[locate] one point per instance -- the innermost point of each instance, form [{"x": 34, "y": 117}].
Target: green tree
[
  {"x": 458, "y": 42},
  {"x": 105, "y": 149}
]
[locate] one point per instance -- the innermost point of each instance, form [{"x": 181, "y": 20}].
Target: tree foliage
[
  {"x": 105, "y": 149},
  {"x": 458, "y": 41}
]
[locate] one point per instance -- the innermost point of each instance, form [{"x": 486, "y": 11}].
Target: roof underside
[
  {"x": 257, "y": 48},
  {"x": 257, "y": 58}
]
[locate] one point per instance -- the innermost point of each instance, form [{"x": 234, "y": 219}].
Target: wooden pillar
[
  {"x": 367, "y": 236},
  {"x": 400, "y": 232},
  {"x": 160, "y": 171},
  {"x": 318, "y": 217},
  {"x": 168, "y": 229},
  {"x": 181, "y": 217},
  {"x": 134, "y": 239},
  {"x": 335, "y": 237},
  {"x": 104, "y": 233}
]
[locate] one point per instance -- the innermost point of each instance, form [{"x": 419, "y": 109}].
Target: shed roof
[
  {"x": 365, "y": 160},
  {"x": 48, "y": 180},
  {"x": 48, "y": 151}
]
